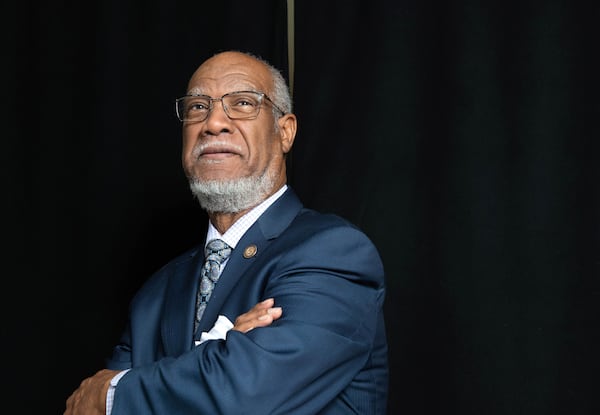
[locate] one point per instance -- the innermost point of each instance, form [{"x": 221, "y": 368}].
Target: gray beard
[{"x": 232, "y": 196}]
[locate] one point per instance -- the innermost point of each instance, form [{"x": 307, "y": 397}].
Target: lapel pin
[{"x": 250, "y": 251}]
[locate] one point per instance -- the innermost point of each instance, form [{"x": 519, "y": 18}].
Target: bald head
[{"x": 271, "y": 80}]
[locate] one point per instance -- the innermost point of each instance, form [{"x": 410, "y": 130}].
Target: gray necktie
[{"x": 216, "y": 252}]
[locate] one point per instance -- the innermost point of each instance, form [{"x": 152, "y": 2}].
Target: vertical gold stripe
[{"x": 290, "y": 39}]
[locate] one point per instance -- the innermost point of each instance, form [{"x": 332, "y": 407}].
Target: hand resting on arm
[{"x": 90, "y": 397}]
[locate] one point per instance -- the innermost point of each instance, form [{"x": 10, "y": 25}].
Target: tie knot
[{"x": 217, "y": 250}]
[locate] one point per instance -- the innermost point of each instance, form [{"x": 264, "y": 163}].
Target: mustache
[{"x": 215, "y": 146}]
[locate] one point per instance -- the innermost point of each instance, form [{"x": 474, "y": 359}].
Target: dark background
[{"x": 461, "y": 136}]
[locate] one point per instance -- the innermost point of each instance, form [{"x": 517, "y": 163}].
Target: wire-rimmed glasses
[{"x": 238, "y": 105}]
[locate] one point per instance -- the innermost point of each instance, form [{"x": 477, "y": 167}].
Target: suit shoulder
[
  {"x": 180, "y": 260},
  {"x": 314, "y": 220},
  {"x": 330, "y": 242},
  {"x": 158, "y": 279},
  {"x": 328, "y": 228}
]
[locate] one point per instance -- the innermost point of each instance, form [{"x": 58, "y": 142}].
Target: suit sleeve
[{"x": 330, "y": 286}]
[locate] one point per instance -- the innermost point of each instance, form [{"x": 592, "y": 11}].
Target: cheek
[
  {"x": 262, "y": 143},
  {"x": 187, "y": 148},
  {"x": 187, "y": 142},
  {"x": 186, "y": 135}
]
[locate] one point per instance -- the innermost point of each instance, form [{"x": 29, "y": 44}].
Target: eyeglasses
[{"x": 238, "y": 105}]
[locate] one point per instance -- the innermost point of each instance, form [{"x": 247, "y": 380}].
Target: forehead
[{"x": 230, "y": 72}]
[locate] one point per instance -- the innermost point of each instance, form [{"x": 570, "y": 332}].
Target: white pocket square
[{"x": 218, "y": 331}]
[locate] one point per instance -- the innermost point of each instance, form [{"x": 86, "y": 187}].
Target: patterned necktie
[{"x": 216, "y": 252}]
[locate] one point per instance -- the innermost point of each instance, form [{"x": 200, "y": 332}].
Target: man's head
[{"x": 236, "y": 159}]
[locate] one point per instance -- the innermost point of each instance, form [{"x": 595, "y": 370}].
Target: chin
[{"x": 232, "y": 195}]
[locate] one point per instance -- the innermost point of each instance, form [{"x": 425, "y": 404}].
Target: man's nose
[{"x": 217, "y": 120}]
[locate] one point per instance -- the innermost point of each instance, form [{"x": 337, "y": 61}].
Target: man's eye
[
  {"x": 242, "y": 102},
  {"x": 197, "y": 106}
]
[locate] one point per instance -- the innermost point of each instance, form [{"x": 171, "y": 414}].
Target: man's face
[{"x": 221, "y": 149}]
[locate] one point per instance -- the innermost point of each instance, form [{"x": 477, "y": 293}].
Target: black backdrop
[{"x": 461, "y": 136}]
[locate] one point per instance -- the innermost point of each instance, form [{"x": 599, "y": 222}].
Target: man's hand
[
  {"x": 90, "y": 397},
  {"x": 261, "y": 315}
]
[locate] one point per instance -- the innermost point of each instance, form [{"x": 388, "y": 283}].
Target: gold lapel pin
[{"x": 250, "y": 251}]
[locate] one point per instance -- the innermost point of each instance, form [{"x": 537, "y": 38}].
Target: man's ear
[{"x": 287, "y": 131}]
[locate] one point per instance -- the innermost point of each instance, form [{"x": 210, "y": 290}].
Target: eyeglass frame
[{"x": 211, "y": 100}]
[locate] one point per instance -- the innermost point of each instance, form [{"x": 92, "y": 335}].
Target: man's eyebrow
[{"x": 195, "y": 91}]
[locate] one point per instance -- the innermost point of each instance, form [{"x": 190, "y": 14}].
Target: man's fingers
[
  {"x": 271, "y": 314},
  {"x": 264, "y": 319},
  {"x": 261, "y": 315},
  {"x": 268, "y": 303}
]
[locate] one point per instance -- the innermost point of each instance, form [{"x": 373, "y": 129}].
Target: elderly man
[{"x": 279, "y": 311}]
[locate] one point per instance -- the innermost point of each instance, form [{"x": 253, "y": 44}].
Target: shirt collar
[{"x": 233, "y": 235}]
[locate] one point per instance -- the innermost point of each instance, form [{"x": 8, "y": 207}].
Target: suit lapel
[
  {"x": 268, "y": 226},
  {"x": 180, "y": 304}
]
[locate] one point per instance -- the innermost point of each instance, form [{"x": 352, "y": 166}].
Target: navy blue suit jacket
[{"x": 327, "y": 354}]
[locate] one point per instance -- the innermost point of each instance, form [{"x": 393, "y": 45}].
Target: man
[{"x": 321, "y": 350}]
